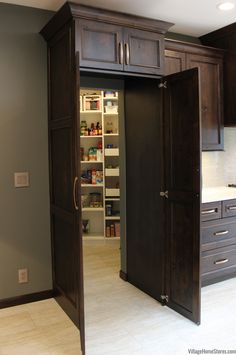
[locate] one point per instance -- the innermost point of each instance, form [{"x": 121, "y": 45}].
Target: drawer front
[
  {"x": 210, "y": 211},
  {"x": 229, "y": 208},
  {"x": 218, "y": 259},
  {"x": 218, "y": 231}
]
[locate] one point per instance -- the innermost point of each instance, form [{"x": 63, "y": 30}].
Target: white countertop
[{"x": 220, "y": 193}]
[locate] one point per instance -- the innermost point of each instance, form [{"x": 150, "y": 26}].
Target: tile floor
[
  {"x": 120, "y": 319},
  {"x": 38, "y": 328}
]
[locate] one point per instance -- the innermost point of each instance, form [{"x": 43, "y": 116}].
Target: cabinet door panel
[
  {"x": 143, "y": 52},
  {"x": 99, "y": 45},
  {"x": 175, "y": 62},
  {"x": 182, "y": 181},
  {"x": 64, "y": 143},
  {"x": 211, "y": 105}
]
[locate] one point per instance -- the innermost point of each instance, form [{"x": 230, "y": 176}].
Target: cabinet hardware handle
[
  {"x": 121, "y": 53},
  {"x": 231, "y": 208},
  {"x": 74, "y": 193},
  {"x": 127, "y": 54},
  {"x": 221, "y": 233},
  {"x": 164, "y": 194},
  {"x": 208, "y": 211},
  {"x": 221, "y": 261}
]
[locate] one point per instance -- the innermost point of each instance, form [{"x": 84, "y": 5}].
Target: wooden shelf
[
  {"x": 92, "y": 185},
  {"x": 91, "y": 136},
  {"x": 112, "y": 199},
  {"x": 112, "y": 218},
  {"x": 92, "y": 209},
  {"x": 91, "y": 162},
  {"x": 111, "y": 134},
  {"x": 91, "y": 111}
]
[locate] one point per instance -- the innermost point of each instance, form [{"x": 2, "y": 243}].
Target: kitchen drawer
[
  {"x": 210, "y": 211},
  {"x": 218, "y": 259},
  {"x": 218, "y": 233},
  {"x": 229, "y": 208}
]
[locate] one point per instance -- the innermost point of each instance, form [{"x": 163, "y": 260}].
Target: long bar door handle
[
  {"x": 221, "y": 233},
  {"x": 231, "y": 208},
  {"x": 121, "y": 53},
  {"x": 74, "y": 193},
  {"x": 221, "y": 261},
  {"x": 127, "y": 54},
  {"x": 208, "y": 211}
]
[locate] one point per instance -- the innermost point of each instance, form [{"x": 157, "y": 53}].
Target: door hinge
[
  {"x": 164, "y": 194},
  {"x": 164, "y": 298},
  {"x": 163, "y": 85}
]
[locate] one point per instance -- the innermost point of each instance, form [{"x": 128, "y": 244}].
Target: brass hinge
[
  {"x": 164, "y": 194},
  {"x": 165, "y": 298},
  {"x": 163, "y": 85}
]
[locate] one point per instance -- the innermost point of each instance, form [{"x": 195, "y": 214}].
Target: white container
[
  {"x": 113, "y": 109},
  {"x": 112, "y": 192},
  {"x": 112, "y": 172},
  {"x": 112, "y": 152}
]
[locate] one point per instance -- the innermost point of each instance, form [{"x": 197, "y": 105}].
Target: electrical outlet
[{"x": 23, "y": 276}]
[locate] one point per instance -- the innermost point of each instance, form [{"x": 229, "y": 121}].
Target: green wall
[{"x": 24, "y": 212}]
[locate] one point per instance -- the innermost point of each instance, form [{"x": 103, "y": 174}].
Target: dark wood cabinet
[
  {"x": 162, "y": 155},
  {"x": 225, "y": 38},
  {"x": 181, "y": 56},
  {"x": 99, "y": 45},
  {"x": 112, "y": 47},
  {"x": 218, "y": 241}
]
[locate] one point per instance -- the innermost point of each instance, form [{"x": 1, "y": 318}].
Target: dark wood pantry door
[
  {"x": 64, "y": 141},
  {"x": 182, "y": 165}
]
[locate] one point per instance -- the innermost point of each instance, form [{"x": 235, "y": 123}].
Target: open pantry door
[
  {"x": 64, "y": 144},
  {"x": 182, "y": 167}
]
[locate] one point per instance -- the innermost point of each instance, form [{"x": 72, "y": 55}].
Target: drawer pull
[
  {"x": 221, "y": 261},
  {"x": 209, "y": 211},
  {"x": 221, "y": 233},
  {"x": 231, "y": 208}
]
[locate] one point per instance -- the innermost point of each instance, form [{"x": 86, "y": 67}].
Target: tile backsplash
[{"x": 219, "y": 168}]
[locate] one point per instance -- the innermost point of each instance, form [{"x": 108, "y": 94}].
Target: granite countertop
[{"x": 219, "y": 193}]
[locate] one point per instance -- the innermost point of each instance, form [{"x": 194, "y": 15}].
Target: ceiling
[{"x": 191, "y": 17}]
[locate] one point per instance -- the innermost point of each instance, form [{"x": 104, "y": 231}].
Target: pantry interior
[{"x": 102, "y": 164}]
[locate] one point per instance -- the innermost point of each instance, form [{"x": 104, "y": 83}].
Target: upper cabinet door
[
  {"x": 100, "y": 45},
  {"x": 175, "y": 62},
  {"x": 211, "y": 99},
  {"x": 182, "y": 185},
  {"x": 143, "y": 52}
]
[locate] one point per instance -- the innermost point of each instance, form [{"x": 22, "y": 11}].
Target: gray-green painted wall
[{"x": 24, "y": 212}]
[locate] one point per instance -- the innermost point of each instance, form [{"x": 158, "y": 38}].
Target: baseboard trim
[
  {"x": 32, "y": 297},
  {"x": 123, "y": 275}
]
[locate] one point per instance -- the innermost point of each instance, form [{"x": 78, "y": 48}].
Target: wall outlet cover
[
  {"x": 21, "y": 179},
  {"x": 23, "y": 276}
]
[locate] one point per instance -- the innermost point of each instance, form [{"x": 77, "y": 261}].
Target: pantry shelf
[{"x": 92, "y": 209}]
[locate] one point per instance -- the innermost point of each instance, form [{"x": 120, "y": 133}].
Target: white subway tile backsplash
[{"x": 219, "y": 168}]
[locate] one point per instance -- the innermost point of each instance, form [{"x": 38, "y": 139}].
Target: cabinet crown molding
[{"x": 70, "y": 11}]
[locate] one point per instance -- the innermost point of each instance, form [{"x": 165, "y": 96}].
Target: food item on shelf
[
  {"x": 92, "y": 154},
  {"x": 84, "y": 200},
  {"x": 108, "y": 209},
  {"x": 109, "y": 127},
  {"x": 85, "y": 177},
  {"x": 94, "y": 173},
  {"x": 99, "y": 177},
  {"x": 81, "y": 153},
  {"x": 99, "y": 144},
  {"x": 117, "y": 229},
  {"x": 83, "y": 128},
  {"x": 95, "y": 199},
  {"x": 109, "y": 94},
  {"x": 108, "y": 232},
  {"x": 99, "y": 155},
  {"x": 112, "y": 227}
]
